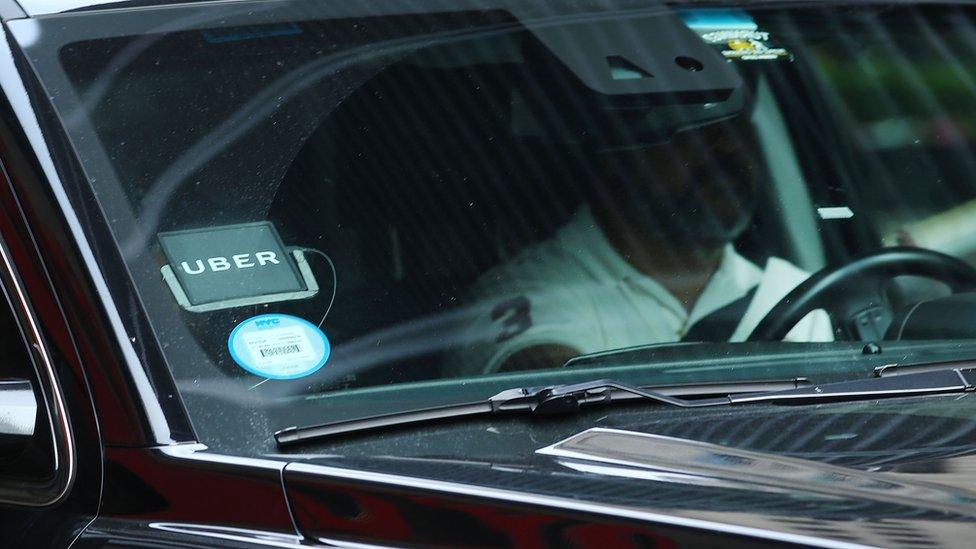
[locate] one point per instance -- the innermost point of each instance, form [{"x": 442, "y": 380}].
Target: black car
[{"x": 487, "y": 273}]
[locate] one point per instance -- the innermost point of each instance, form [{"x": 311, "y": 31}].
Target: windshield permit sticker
[
  {"x": 735, "y": 34},
  {"x": 278, "y": 346}
]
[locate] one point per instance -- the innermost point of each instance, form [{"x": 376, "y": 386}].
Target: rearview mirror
[{"x": 18, "y": 414}]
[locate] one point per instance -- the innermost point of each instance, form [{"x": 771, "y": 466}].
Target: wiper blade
[
  {"x": 896, "y": 369},
  {"x": 948, "y": 380},
  {"x": 542, "y": 400}
]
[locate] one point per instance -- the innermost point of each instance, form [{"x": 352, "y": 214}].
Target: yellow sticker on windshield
[
  {"x": 745, "y": 45},
  {"x": 734, "y": 33}
]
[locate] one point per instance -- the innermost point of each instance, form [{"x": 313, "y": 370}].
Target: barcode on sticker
[
  {"x": 279, "y": 347},
  {"x": 282, "y": 350}
]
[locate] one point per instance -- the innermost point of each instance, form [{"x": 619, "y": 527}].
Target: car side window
[
  {"x": 915, "y": 145},
  {"x": 26, "y": 439}
]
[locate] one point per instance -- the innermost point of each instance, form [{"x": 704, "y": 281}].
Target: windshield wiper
[
  {"x": 569, "y": 398},
  {"x": 541, "y": 400}
]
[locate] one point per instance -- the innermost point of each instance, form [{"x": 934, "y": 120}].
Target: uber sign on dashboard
[{"x": 233, "y": 265}]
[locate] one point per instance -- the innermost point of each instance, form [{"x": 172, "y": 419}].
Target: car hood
[{"x": 880, "y": 473}]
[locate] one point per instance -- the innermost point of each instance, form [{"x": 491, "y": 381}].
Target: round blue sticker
[{"x": 279, "y": 346}]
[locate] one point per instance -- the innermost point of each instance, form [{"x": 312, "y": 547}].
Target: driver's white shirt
[{"x": 575, "y": 290}]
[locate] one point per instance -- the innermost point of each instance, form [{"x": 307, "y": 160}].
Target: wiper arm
[{"x": 543, "y": 400}]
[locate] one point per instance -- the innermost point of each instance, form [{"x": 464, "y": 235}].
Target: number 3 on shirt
[{"x": 514, "y": 316}]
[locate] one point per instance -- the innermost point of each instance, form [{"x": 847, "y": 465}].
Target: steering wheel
[{"x": 854, "y": 294}]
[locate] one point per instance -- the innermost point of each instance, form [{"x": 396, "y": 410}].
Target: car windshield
[{"x": 318, "y": 199}]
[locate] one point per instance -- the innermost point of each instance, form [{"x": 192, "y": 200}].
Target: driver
[{"x": 648, "y": 259}]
